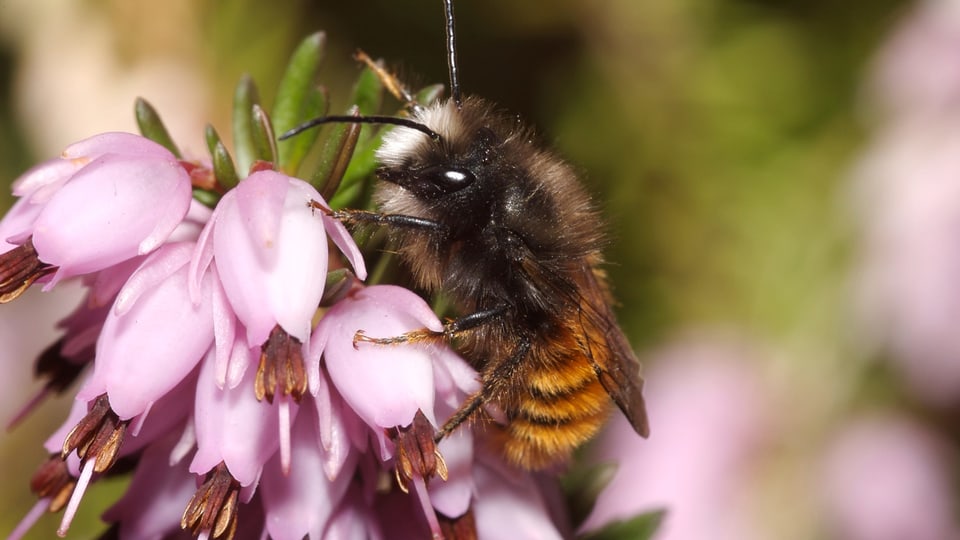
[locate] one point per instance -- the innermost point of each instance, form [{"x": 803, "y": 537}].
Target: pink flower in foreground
[{"x": 108, "y": 199}]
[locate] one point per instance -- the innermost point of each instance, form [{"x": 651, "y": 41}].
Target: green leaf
[
  {"x": 641, "y": 527},
  {"x": 336, "y": 156},
  {"x": 337, "y": 286},
  {"x": 429, "y": 94},
  {"x": 368, "y": 93},
  {"x": 298, "y": 147},
  {"x": 206, "y": 198},
  {"x": 583, "y": 485},
  {"x": 151, "y": 126},
  {"x": 245, "y": 96},
  {"x": 224, "y": 169},
  {"x": 299, "y": 100},
  {"x": 261, "y": 130}
]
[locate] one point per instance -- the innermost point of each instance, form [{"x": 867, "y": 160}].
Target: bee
[{"x": 482, "y": 212}]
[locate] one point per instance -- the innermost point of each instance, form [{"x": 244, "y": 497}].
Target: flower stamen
[
  {"x": 281, "y": 367},
  {"x": 53, "y": 481},
  {"x": 459, "y": 528},
  {"x": 19, "y": 268},
  {"x": 99, "y": 435},
  {"x": 417, "y": 453},
  {"x": 213, "y": 508}
]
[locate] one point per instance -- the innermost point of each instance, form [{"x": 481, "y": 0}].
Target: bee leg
[
  {"x": 450, "y": 329},
  {"x": 352, "y": 217},
  {"x": 503, "y": 371},
  {"x": 466, "y": 410}
]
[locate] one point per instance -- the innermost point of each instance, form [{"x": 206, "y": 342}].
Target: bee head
[{"x": 451, "y": 176}]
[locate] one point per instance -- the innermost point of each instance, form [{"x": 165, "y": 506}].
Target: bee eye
[{"x": 448, "y": 180}]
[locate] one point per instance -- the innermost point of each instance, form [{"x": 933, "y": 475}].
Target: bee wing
[
  {"x": 604, "y": 344},
  {"x": 609, "y": 351}
]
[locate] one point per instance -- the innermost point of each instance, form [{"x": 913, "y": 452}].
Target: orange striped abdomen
[{"x": 562, "y": 406}]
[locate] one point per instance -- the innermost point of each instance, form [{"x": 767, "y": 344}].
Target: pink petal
[
  {"x": 117, "y": 142},
  {"x": 147, "y": 350},
  {"x": 452, "y": 497},
  {"x": 112, "y": 210},
  {"x": 17, "y": 225},
  {"x": 156, "y": 497},
  {"x": 344, "y": 240},
  {"x": 272, "y": 255},
  {"x": 233, "y": 427},
  {"x": 509, "y": 506},
  {"x": 301, "y": 504},
  {"x": 42, "y": 181},
  {"x": 384, "y": 385}
]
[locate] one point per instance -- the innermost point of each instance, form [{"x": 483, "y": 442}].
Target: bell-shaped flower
[
  {"x": 384, "y": 384},
  {"x": 155, "y": 334},
  {"x": 234, "y": 427},
  {"x": 108, "y": 199},
  {"x": 156, "y": 497},
  {"x": 271, "y": 248},
  {"x": 300, "y": 504}
]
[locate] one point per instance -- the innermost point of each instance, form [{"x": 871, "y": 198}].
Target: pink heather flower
[
  {"x": 386, "y": 386},
  {"x": 887, "y": 478},
  {"x": 709, "y": 412},
  {"x": 108, "y": 199},
  {"x": 235, "y": 428},
  {"x": 300, "y": 505},
  {"x": 154, "y": 335},
  {"x": 271, "y": 249},
  {"x": 917, "y": 71},
  {"x": 907, "y": 197}
]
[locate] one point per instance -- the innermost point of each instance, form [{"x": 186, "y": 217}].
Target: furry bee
[{"x": 480, "y": 211}]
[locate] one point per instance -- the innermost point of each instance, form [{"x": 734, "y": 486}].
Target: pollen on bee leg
[
  {"x": 19, "y": 268},
  {"x": 424, "y": 335},
  {"x": 212, "y": 511}
]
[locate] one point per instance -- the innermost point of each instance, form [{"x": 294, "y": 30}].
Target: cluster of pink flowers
[{"x": 208, "y": 357}]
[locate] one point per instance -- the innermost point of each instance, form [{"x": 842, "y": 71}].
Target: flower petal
[
  {"x": 147, "y": 350},
  {"x": 301, "y": 504},
  {"x": 385, "y": 385},
  {"x": 112, "y": 210},
  {"x": 233, "y": 427}
]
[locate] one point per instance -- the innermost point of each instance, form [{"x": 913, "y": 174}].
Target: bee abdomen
[{"x": 563, "y": 409}]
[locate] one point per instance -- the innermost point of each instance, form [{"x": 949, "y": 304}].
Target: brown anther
[
  {"x": 58, "y": 370},
  {"x": 99, "y": 435},
  {"x": 213, "y": 507},
  {"x": 53, "y": 480},
  {"x": 281, "y": 367},
  {"x": 459, "y": 528},
  {"x": 417, "y": 453},
  {"x": 19, "y": 268}
]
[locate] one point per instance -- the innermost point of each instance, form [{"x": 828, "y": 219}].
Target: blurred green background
[{"x": 717, "y": 134}]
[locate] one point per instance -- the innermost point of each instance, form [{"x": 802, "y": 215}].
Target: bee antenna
[
  {"x": 452, "y": 53},
  {"x": 349, "y": 119}
]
